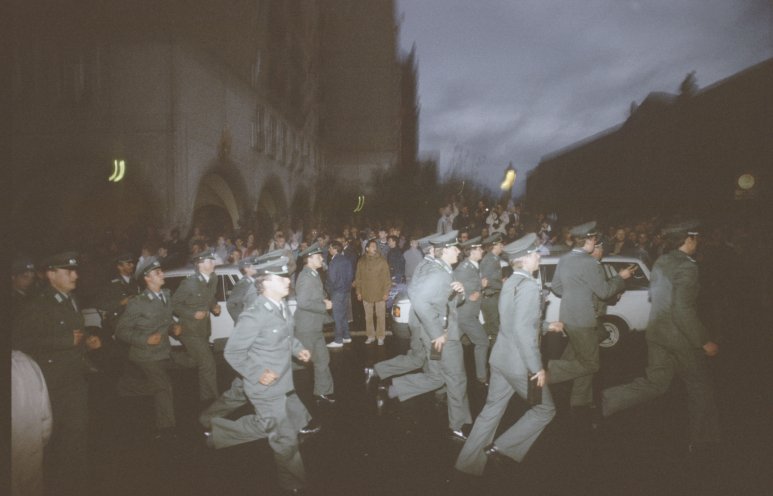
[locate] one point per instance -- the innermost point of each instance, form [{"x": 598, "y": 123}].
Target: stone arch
[
  {"x": 220, "y": 199},
  {"x": 271, "y": 210}
]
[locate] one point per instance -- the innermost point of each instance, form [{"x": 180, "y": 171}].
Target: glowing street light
[
  {"x": 507, "y": 183},
  {"x": 119, "y": 170}
]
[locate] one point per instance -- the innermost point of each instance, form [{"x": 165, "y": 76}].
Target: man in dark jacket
[{"x": 340, "y": 275}]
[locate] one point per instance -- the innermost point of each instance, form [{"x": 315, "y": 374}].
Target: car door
[{"x": 634, "y": 305}]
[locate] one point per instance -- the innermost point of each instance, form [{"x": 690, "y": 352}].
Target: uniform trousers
[
  {"x": 340, "y": 306},
  {"x": 65, "y": 461},
  {"x": 579, "y": 361},
  {"x": 516, "y": 441},
  {"x": 448, "y": 371},
  {"x": 197, "y": 347},
  {"x": 469, "y": 324},
  {"x": 277, "y": 418},
  {"x": 489, "y": 305},
  {"x": 380, "y": 310},
  {"x": 232, "y": 399},
  {"x": 692, "y": 367},
  {"x": 413, "y": 359},
  {"x": 320, "y": 358}
]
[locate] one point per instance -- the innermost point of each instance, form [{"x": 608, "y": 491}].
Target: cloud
[{"x": 515, "y": 80}]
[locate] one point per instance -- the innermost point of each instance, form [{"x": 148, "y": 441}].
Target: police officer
[
  {"x": 434, "y": 297},
  {"x": 515, "y": 361},
  {"x": 260, "y": 350},
  {"x": 468, "y": 273},
  {"x": 192, "y": 303},
  {"x": 491, "y": 272},
  {"x": 113, "y": 300},
  {"x": 145, "y": 326},
  {"x": 51, "y": 330},
  {"x": 22, "y": 284},
  {"x": 677, "y": 341},
  {"x": 242, "y": 297},
  {"x": 577, "y": 280},
  {"x": 310, "y": 316}
]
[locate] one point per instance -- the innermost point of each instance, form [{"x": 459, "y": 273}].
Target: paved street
[{"x": 640, "y": 452}]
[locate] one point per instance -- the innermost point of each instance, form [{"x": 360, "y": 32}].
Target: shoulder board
[
  {"x": 58, "y": 297},
  {"x": 267, "y": 305},
  {"x": 115, "y": 280},
  {"x": 192, "y": 276}
]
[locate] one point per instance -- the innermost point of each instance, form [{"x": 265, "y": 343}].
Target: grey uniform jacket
[
  {"x": 577, "y": 279},
  {"x": 433, "y": 301},
  {"x": 468, "y": 274},
  {"x": 520, "y": 309},
  {"x": 674, "y": 287},
  {"x": 310, "y": 311},
  {"x": 491, "y": 269},
  {"x": 146, "y": 314},
  {"x": 242, "y": 296},
  {"x": 195, "y": 294},
  {"x": 263, "y": 339}
]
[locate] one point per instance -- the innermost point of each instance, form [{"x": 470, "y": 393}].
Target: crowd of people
[{"x": 478, "y": 260}]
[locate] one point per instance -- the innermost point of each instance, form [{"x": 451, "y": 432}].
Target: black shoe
[
  {"x": 457, "y": 435},
  {"x": 325, "y": 398},
  {"x": 370, "y": 377},
  {"x": 500, "y": 461},
  {"x": 209, "y": 443},
  {"x": 491, "y": 450},
  {"x": 312, "y": 427}
]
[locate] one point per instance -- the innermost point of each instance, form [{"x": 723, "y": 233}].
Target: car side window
[
  {"x": 546, "y": 272},
  {"x": 639, "y": 280},
  {"x": 172, "y": 283},
  {"x": 224, "y": 286},
  {"x": 229, "y": 282}
]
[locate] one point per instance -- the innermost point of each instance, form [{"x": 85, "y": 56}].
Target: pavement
[{"x": 639, "y": 452}]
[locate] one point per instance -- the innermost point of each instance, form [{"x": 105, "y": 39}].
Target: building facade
[{"x": 675, "y": 153}]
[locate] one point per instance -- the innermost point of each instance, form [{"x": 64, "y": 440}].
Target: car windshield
[{"x": 638, "y": 281}]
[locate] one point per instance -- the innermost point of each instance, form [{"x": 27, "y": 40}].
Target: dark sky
[{"x": 513, "y": 80}]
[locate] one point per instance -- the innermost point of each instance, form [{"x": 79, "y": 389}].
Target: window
[{"x": 639, "y": 281}]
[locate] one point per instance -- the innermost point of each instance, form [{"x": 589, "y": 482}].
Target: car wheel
[{"x": 616, "y": 330}]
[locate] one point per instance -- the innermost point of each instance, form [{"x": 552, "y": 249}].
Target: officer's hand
[
  {"x": 267, "y": 377},
  {"x": 711, "y": 348},
  {"x": 154, "y": 339},
  {"x": 77, "y": 336},
  {"x": 200, "y": 315},
  {"x": 93, "y": 342},
  {"x": 475, "y": 296},
  {"x": 304, "y": 355},
  {"x": 540, "y": 377},
  {"x": 556, "y": 326},
  {"x": 328, "y": 304},
  {"x": 484, "y": 282},
  {"x": 626, "y": 272},
  {"x": 216, "y": 310},
  {"x": 175, "y": 329},
  {"x": 457, "y": 286},
  {"x": 438, "y": 343}
]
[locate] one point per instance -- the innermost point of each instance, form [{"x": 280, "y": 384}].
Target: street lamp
[{"x": 509, "y": 180}]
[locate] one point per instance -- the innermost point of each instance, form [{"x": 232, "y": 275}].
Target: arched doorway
[
  {"x": 216, "y": 208},
  {"x": 271, "y": 212}
]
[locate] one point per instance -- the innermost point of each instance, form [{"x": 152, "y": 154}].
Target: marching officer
[
  {"x": 260, "y": 350},
  {"x": 515, "y": 363},
  {"x": 192, "y": 303},
  {"x": 244, "y": 292},
  {"x": 115, "y": 297},
  {"x": 468, "y": 273},
  {"x": 145, "y": 326},
  {"x": 434, "y": 297},
  {"x": 677, "y": 342},
  {"x": 310, "y": 316},
  {"x": 578, "y": 279},
  {"x": 491, "y": 270},
  {"x": 51, "y": 330}
]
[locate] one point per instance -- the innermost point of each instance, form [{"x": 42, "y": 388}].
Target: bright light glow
[
  {"x": 360, "y": 203},
  {"x": 509, "y": 180},
  {"x": 119, "y": 170}
]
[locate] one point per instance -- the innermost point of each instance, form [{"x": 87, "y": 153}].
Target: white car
[
  {"x": 628, "y": 313},
  {"x": 223, "y": 324}
]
